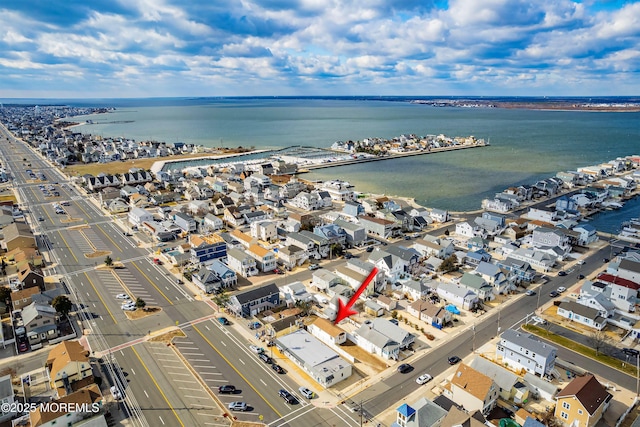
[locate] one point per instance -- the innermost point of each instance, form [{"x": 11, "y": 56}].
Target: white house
[
  {"x": 582, "y": 314},
  {"x": 457, "y": 295},
  {"x": 327, "y": 332},
  {"x": 264, "y": 230},
  {"x": 241, "y": 262},
  {"x": 381, "y": 337},
  {"x": 137, "y": 216}
]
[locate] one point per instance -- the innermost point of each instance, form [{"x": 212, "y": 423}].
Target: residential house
[
  {"x": 295, "y": 292},
  {"x": 324, "y": 279},
  {"x": 538, "y": 260},
  {"x": 472, "y": 390},
  {"x": 78, "y": 408},
  {"x": 377, "y": 226},
  {"x": 253, "y": 301},
  {"x": 206, "y": 249},
  {"x": 457, "y": 295},
  {"x": 436, "y": 315},
  {"x": 22, "y": 297},
  {"x": 623, "y": 293},
  {"x": 327, "y": 332},
  {"x": 353, "y": 209},
  {"x": 493, "y": 275},
  {"x": 587, "y": 316},
  {"x": 434, "y": 246},
  {"x": 207, "y": 280},
  {"x": 17, "y": 235},
  {"x": 39, "y": 322},
  {"x": 629, "y": 269},
  {"x": 522, "y": 351},
  {"x": 307, "y": 201},
  {"x": 7, "y": 399},
  {"x": 582, "y": 402},
  {"x": 477, "y": 285},
  {"x": 422, "y": 413},
  {"x": 227, "y": 276},
  {"x": 415, "y": 289},
  {"x": 69, "y": 367},
  {"x": 265, "y": 259},
  {"x": 264, "y": 230},
  {"x": 381, "y": 337},
  {"x": 439, "y": 215},
  {"x": 186, "y": 222},
  {"x": 317, "y": 247},
  {"x": 599, "y": 301},
  {"x": 245, "y": 240},
  {"x": 135, "y": 178},
  {"x": 333, "y": 233},
  {"x": 465, "y": 229},
  {"x": 31, "y": 277},
  {"x": 241, "y": 262},
  {"x": 520, "y": 269},
  {"x": 510, "y": 388},
  {"x": 355, "y": 234},
  {"x": 138, "y": 216},
  {"x": 212, "y": 222}
]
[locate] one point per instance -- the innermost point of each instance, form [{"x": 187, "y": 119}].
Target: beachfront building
[{"x": 340, "y": 191}]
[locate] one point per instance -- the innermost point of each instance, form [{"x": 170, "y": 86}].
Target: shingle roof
[
  {"x": 527, "y": 341},
  {"x": 473, "y": 382},
  {"x": 257, "y": 293},
  {"x": 588, "y": 391}
]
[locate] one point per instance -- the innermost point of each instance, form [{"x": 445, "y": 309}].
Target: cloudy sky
[{"x": 145, "y": 48}]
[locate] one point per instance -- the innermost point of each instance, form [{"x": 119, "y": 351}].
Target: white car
[
  {"x": 423, "y": 379},
  {"x": 306, "y": 392},
  {"x": 115, "y": 392},
  {"x": 256, "y": 349},
  {"x": 561, "y": 289},
  {"x": 129, "y": 307},
  {"x": 538, "y": 320},
  {"x": 122, "y": 296}
]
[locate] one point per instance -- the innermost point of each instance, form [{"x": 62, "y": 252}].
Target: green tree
[
  {"x": 108, "y": 261},
  {"x": 449, "y": 264},
  {"x": 394, "y": 314},
  {"x": 221, "y": 299},
  {"x": 304, "y": 306},
  {"x": 5, "y": 293},
  {"x": 62, "y": 304},
  {"x": 140, "y": 303}
]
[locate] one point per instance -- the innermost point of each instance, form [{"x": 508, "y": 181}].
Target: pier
[{"x": 331, "y": 164}]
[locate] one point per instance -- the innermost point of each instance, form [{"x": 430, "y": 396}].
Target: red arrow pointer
[{"x": 345, "y": 311}]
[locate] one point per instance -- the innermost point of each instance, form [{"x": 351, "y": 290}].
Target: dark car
[
  {"x": 288, "y": 397},
  {"x": 254, "y": 325},
  {"x": 226, "y": 389},
  {"x": 580, "y": 276},
  {"x": 630, "y": 351},
  {"x": 404, "y": 368},
  {"x": 278, "y": 368},
  {"x": 370, "y": 249},
  {"x": 605, "y": 260},
  {"x": 265, "y": 358},
  {"x": 562, "y": 273},
  {"x": 22, "y": 347},
  {"x": 348, "y": 255},
  {"x": 453, "y": 360},
  {"x": 554, "y": 294},
  {"x": 223, "y": 321}
]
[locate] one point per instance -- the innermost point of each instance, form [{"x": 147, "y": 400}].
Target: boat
[{"x": 612, "y": 205}]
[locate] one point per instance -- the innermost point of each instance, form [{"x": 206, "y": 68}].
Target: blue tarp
[{"x": 452, "y": 309}]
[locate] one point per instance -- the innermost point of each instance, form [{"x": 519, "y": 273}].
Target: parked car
[
  {"x": 157, "y": 261},
  {"x": 580, "y": 276},
  {"x": 122, "y": 296},
  {"x": 423, "y": 379},
  {"x": 128, "y": 307},
  {"x": 265, "y": 358},
  {"x": 256, "y": 349},
  {"x": 306, "y": 392},
  {"x": 605, "y": 260},
  {"x": 453, "y": 360},
  {"x": 238, "y": 406},
  {"x": 561, "y": 289},
  {"x": 288, "y": 397},
  {"x": 254, "y": 325},
  {"x": 562, "y": 273},
  {"x": 223, "y": 321},
  {"x": 22, "y": 347},
  {"x": 530, "y": 292},
  {"x": 554, "y": 294},
  {"x": 370, "y": 249},
  {"x": 278, "y": 368},
  {"x": 115, "y": 392},
  {"x": 278, "y": 271},
  {"x": 313, "y": 267},
  {"x": 226, "y": 389},
  {"x": 630, "y": 351},
  {"x": 538, "y": 320},
  {"x": 404, "y": 368}
]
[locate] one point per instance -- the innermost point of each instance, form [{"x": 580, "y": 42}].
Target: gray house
[
  {"x": 250, "y": 303},
  {"x": 522, "y": 350}
]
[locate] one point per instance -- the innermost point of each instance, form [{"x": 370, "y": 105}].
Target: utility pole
[
  {"x": 637, "y": 376},
  {"x": 473, "y": 328}
]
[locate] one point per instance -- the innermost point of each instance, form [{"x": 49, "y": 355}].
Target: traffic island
[{"x": 142, "y": 312}]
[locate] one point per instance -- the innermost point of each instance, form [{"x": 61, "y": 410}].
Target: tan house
[
  {"x": 17, "y": 235},
  {"x": 89, "y": 401},
  {"x": 22, "y": 298},
  {"x": 69, "y": 367},
  {"x": 582, "y": 402},
  {"x": 472, "y": 389},
  {"x": 327, "y": 332}
]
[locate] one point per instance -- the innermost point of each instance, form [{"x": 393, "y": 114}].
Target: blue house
[
  {"x": 354, "y": 209},
  {"x": 250, "y": 303},
  {"x": 205, "y": 249}
]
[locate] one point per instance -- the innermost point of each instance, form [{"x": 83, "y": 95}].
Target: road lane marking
[
  {"x": 190, "y": 389},
  {"x": 240, "y": 360},
  {"x": 162, "y": 420},
  {"x": 207, "y": 328},
  {"x": 222, "y": 342},
  {"x": 152, "y": 284},
  {"x": 108, "y": 237},
  {"x": 100, "y": 297},
  {"x": 195, "y": 328},
  {"x": 265, "y": 384},
  {"x": 145, "y": 393},
  {"x": 158, "y": 387},
  {"x": 134, "y": 372}
]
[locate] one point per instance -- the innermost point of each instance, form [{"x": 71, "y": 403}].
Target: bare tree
[{"x": 600, "y": 341}]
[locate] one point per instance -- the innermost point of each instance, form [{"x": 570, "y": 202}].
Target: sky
[{"x": 166, "y": 48}]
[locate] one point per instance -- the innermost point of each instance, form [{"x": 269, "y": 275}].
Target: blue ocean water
[{"x": 525, "y": 144}]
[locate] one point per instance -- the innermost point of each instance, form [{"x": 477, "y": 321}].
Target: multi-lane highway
[{"x": 177, "y": 384}]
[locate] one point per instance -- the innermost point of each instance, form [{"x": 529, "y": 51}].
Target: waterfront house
[
  {"x": 582, "y": 402},
  {"x": 521, "y": 350},
  {"x": 579, "y": 313},
  {"x": 472, "y": 390},
  {"x": 265, "y": 259},
  {"x": 439, "y": 215},
  {"x": 460, "y": 296},
  {"x": 465, "y": 229},
  {"x": 421, "y": 413},
  {"x": 543, "y": 214},
  {"x": 253, "y": 301},
  {"x": 241, "y": 262},
  {"x": 206, "y": 249},
  {"x": 340, "y": 191},
  {"x": 353, "y": 209}
]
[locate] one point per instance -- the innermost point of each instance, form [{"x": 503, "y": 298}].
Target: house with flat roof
[
  {"x": 419, "y": 414},
  {"x": 207, "y": 248},
  {"x": 322, "y": 363},
  {"x": 241, "y": 262}
]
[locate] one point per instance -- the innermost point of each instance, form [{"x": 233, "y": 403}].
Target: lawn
[{"x": 582, "y": 349}]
